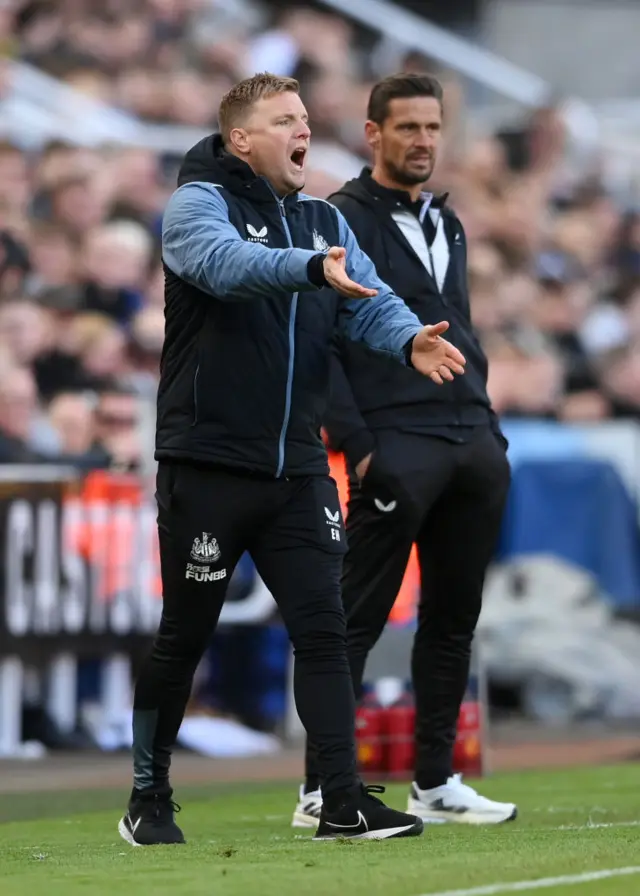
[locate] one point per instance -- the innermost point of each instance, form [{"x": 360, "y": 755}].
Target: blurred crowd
[{"x": 554, "y": 261}]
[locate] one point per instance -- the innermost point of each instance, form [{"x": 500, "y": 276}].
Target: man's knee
[
  {"x": 457, "y": 615},
  {"x": 363, "y": 634},
  {"x": 179, "y": 647},
  {"x": 319, "y": 633},
  {"x": 453, "y": 626}
]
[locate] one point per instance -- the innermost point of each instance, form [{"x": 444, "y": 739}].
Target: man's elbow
[
  {"x": 223, "y": 289},
  {"x": 217, "y": 280}
]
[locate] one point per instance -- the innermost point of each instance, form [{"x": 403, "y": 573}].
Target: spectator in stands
[
  {"x": 626, "y": 251},
  {"x": 116, "y": 258},
  {"x": 53, "y": 256},
  {"x": 59, "y": 368},
  {"x": 486, "y": 271},
  {"x": 559, "y": 309},
  {"x": 15, "y": 183},
  {"x": 190, "y": 101},
  {"x": 57, "y": 162},
  {"x": 621, "y": 381},
  {"x": 142, "y": 92},
  {"x": 525, "y": 378},
  {"x": 77, "y": 204},
  {"x": 23, "y": 330},
  {"x": 137, "y": 191},
  {"x": 145, "y": 347},
  {"x": 14, "y": 265},
  {"x": 71, "y": 414},
  {"x": 18, "y": 416},
  {"x": 117, "y": 423},
  {"x": 99, "y": 343}
]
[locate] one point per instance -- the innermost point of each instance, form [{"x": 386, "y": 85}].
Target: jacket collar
[{"x": 393, "y": 197}]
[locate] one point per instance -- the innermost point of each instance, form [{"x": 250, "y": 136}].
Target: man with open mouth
[{"x": 259, "y": 277}]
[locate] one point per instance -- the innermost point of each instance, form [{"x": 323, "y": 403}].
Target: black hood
[
  {"x": 203, "y": 162},
  {"x": 209, "y": 162},
  {"x": 365, "y": 190}
]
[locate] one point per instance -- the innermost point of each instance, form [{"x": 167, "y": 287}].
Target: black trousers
[
  {"x": 293, "y": 530},
  {"x": 448, "y": 499}
]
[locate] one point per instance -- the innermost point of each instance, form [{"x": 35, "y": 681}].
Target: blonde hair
[{"x": 238, "y": 101}]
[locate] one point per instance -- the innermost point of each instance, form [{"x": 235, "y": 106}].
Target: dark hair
[{"x": 399, "y": 87}]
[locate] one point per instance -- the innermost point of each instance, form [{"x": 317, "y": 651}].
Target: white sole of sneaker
[
  {"x": 126, "y": 834},
  {"x": 431, "y": 817},
  {"x": 408, "y": 830},
  {"x": 301, "y": 820}
]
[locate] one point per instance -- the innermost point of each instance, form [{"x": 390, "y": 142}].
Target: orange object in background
[{"x": 104, "y": 529}]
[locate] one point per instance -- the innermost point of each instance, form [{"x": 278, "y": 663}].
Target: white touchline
[
  {"x": 596, "y": 826},
  {"x": 521, "y": 885}
]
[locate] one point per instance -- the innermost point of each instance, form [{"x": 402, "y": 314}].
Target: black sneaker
[
  {"x": 364, "y": 817},
  {"x": 149, "y": 821}
]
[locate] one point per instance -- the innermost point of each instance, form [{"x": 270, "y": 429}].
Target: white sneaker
[
  {"x": 307, "y": 812},
  {"x": 457, "y": 802}
]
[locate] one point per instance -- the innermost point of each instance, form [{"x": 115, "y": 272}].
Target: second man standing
[{"x": 427, "y": 463}]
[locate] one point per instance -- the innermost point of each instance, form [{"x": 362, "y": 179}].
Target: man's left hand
[{"x": 434, "y": 356}]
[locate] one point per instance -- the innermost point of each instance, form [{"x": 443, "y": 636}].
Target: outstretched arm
[{"x": 200, "y": 245}]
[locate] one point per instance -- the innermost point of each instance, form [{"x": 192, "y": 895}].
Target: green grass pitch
[{"x": 240, "y": 843}]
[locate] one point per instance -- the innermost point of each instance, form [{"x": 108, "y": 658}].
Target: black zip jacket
[
  {"x": 249, "y": 325},
  {"x": 367, "y": 392}
]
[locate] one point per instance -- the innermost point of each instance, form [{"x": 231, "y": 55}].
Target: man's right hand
[
  {"x": 363, "y": 465},
  {"x": 335, "y": 273}
]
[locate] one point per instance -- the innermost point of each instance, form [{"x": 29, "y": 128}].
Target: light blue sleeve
[
  {"x": 201, "y": 246},
  {"x": 384, "y": 322}
]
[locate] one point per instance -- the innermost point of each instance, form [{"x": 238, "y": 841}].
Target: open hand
[
  {"x": 336, "y": 276},
  {"x": 434, "y": 356}
]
